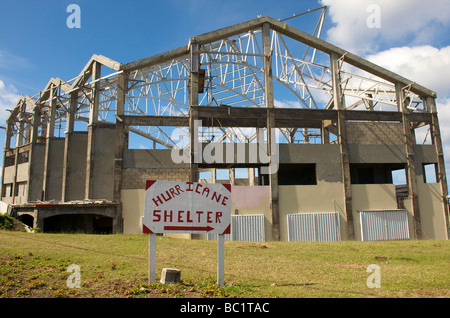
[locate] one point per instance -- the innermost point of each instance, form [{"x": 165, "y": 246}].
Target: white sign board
[{"x": 187, "y": 207}]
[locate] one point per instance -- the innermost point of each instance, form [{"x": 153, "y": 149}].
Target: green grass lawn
[{"x": 35, "y": 265}]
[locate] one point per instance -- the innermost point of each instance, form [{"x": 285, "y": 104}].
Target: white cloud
[
  {"x": 409, "y": 22},
  {"x": 430, "y": 67},
  {"x": 407, "y": 43},
  {"x": 425, "y": 65},
  {"x": 287, "y": 104},
  {"x": 8, "y": 98}
]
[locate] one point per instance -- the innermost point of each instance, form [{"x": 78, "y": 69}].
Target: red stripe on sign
[
  {"x": 188, "y": 228},
  {"x": 227, "y": 230},
  {"x": 146, "y": 230},
  {"x": 227, "y": 185},
  {"x": 149, "y": 183}
]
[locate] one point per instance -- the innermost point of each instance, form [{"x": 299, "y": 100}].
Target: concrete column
[
  {"x": 69, "y": 130},
  {"x": 193, "y": 114},
  {"x": 33, "y": 140},
  {"x": 409, "y": 142},
  {"x": 7, "y": 147},
  {"x": 20, "y": 131},
  {"x": 441, "y": 174},
  {"x": 268, "y": 94},
  {"x": 214, "y": 175},
  {"x": 232, "y": 176},
  {"x": 49, "y": 136},
  {"x": 93, "y": 120},
  {"x": 342, "y": 138},
  {"x": 251, "y": 176},
  {"x": 121, "y": 141}
]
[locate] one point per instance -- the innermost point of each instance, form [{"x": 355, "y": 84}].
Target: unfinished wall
[
  {"x": 143, "y": 164},
  {"x": 431, "y": 207},
  {"x": 103, "y": 172},
  {"x": 55, "y": 171},
  {"x": 133, "y": 201},
  {"x": 135, "y": 178},
  {"x": 367, "y": 197},
  {"x": 253, "y": 200},
  {"x": 432, "y": 218},
  {"x": 76, "y": 174},
  {"x": 324, "y": 197},
  {"x": 374, "y": 133},
  {"x": 325, "y": 156},
  {"x": 36, "y": 172}
]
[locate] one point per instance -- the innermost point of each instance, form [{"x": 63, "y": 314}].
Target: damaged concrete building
[{"x": 346, "y": 129}]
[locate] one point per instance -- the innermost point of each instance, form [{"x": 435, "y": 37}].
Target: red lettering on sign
[
  {"x": 199, "y": 213},
  {"x": 180, "y": 214},
  {"x": 178, "y": 189},
  {"x": 158, "y": 199},
  {"x": 168, "y": 196},
  {"x": 223, "y": 200},
  {"x": 205, "y": 189},
  {"x": 190, "y": 186},
  {"x": 208, "y": 217},
  {"x": 189, "y": 220},
  {"x": 184, "y": 216},
  {"x": 196, "y": 188},
  {"x": 218, "y": 215},
  {"x": 156, "y": 215},
  {"x": 168, "y": 215},
  {"x": 217, "y": 198}
]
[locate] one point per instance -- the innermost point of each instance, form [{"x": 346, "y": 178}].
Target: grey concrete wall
[
  {"x": 9, "y": 174},
  {"x": 22, "y": 172},
  {"x": 76, "y": 177},
  {"x": 326, "y": 157},
  {"x": 149, "y": 158},
  {"x": 136, "y": 178},
  {"x": 424, "y": 154},
  {"x": 36, "y": 172},
  {"x": 103, "y": 174},
  {"x": 374, "y": 133},
  {"x": 363, "y": 153},
  {"x": 55, "y": 171}
]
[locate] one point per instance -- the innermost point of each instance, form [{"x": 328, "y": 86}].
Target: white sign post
[{"x": 187, "y": 207}]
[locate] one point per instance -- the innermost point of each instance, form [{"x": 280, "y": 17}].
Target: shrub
[{"x": 6, "y": 222}]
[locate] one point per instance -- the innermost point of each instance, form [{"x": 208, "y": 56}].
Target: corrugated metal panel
[
  {"x": 247, "y": 227},
  {"x": 313, "y": 227},
  {"x": 384, "y": 225}
]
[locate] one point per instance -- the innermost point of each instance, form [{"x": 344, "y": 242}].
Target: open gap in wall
[
  {"x": 377, "y": 173},
  {"x": 78, "y": 223},
  {"x": 222, "y": 174},
  {"x": 154, "y": 137},
  {"x": 306, "y": 135},
  {"x": 297, "y": 174},
  {"x": 205, "y": 175},
  {"x": 423, "y": 135},
  {"x": 80, "y": 125},
  {"x": 399, "y": 176},
  {"x": 429, "y": 173}
]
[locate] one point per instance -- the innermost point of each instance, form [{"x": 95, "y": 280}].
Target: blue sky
[
  {"x": 36, "y": 44},
  {"x": 34, "y": 35}
]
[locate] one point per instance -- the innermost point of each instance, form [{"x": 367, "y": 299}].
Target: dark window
[
  {"x": 297, "y": 174},
  {"x": 374, "y": 173}
]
